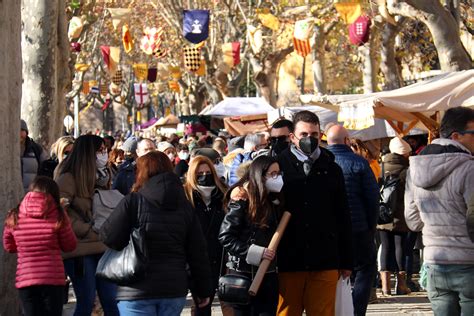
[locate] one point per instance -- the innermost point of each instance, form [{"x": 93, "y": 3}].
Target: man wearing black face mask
[
  {"x": 316, "y": 248},
  {"x": 280, "y": 136}
]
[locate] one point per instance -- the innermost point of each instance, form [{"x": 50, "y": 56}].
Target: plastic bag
[
  {"x": 344, "y": 305},
  {"x": 423, "y": 277}
]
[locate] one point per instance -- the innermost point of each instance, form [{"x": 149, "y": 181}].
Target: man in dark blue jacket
[{"x": 363, "y": 196}]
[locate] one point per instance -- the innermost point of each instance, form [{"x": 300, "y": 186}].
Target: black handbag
[
  {"x": 128, "y": 265},
  {"x": 234, "y": 289}
]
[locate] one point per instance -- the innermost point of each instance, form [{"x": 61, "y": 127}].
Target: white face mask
[
  {"x": 274, "y": 185},
  {"x": 183, "y": 155},
  {"x": 220, "y": 170},
  {"x": 171, "y": 157},
  {"x": 101, "y": 159}
]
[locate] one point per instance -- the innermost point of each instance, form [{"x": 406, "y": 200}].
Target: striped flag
[{"x": 302, "y": 47}]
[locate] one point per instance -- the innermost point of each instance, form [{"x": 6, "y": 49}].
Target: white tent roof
[
  {"x": 408, "y": 104},
  {"x": 238, "y": 107},
  {"x": 380, "y": 129}
]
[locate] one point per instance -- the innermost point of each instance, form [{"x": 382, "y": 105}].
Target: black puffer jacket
[
  {"x": 237, "y": 234},
  {"x": 211, "y": 218},
  {"x": 174, "y": 238}
]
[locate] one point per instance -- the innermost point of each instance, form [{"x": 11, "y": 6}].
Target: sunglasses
[
  {"x": 279, "y": 139},
  {"x": 470, "y": 131}
]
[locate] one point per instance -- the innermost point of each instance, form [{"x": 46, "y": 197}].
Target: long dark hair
[
  {"x": 254, "y": 183},
  {"x": 81, "y": 163},
  {"x": 44, "y": 185}
]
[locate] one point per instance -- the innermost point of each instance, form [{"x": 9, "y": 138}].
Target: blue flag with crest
[{"x": 196, "y": 25}]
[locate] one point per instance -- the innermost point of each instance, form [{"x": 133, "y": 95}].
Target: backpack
[
  {"x": 103, "y": 204},
  {"x": 388, "y": 199}
]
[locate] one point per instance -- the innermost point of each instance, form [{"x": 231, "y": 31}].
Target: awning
[{"x": 238, "y": 107}]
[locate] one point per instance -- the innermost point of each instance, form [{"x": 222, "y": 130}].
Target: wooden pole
[{"x": 262, "y": 269}]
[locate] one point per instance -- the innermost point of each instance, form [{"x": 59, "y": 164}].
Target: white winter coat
[{"x": 438, "y": 189}]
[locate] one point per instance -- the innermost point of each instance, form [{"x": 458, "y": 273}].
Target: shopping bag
[{"x": 344, "y": 305}]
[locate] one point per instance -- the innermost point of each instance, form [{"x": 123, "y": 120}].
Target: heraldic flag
[
  {"x": 192, "y": 58},
  {"x": 141, "y": 93},
  {"x": 196, "y": 25},
  {"x": 231, "y": 53}
]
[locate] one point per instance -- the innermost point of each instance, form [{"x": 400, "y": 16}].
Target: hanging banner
[
  {"x": 160, "y": 53},
  {"x": 303, "y": 48},
  {"x": 152, "y": 73},
  {"x": 195, "y": 25},
  {"x": 141, "y": 71},
  {"x": 359, "y": 31},
  {"x": 127, "y": 40},
  {"x": 141, "y": 93},
  {"x": 349, "y": 10},
  {"x": 192, "y": 58},
  {"x": 118, "y": 77},
  {"x": 152, "y": 39},
  {"x": 231, "y": 54},
  {"x": 104, "y": 88},
  {"x": 255, "y": 38},
  {"x": 119, "y": 16},
  {"x": 174, "y": 86},
  {"x": 75, "y": 28},
  {"x": 81, "y": 67},
  {"x": 202, "y": 68},
  {"x": 303, "y": 29},
  {"x": 269, "y": 20},
  {"x": 111, "y": 57},
  {"x": 175, "y": 72}
]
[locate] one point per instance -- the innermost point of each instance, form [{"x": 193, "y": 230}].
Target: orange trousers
[{"x": 313, "y": 291}]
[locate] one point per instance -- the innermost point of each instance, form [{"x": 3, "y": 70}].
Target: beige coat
[{"x": 79, "y": 210}]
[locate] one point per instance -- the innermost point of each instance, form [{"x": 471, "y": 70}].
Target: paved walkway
[{"x": 401, "y": 305}]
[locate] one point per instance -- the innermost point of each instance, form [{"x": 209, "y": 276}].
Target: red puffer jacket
[{"x": 38, "y": 242}]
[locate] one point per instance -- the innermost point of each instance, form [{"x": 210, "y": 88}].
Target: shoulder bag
[{"x": 128, "y": 265}]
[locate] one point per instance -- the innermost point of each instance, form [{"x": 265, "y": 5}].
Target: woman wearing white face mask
[
  {"x": 83, "y": 171},
  {"x": 205, "y": 191},
  {"x": 183, "y": 164},
  {"x": 251, "y": 220}
]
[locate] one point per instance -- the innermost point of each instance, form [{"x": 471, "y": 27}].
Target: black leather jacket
[{"x": 237, "y": 234}]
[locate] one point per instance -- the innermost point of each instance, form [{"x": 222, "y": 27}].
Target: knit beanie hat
[
  {"x": 23, "y": 126},
  {"x": 130, "y": 145},
  {"x": 162, "y": 146},
  {"x": 399, "y": 146}
]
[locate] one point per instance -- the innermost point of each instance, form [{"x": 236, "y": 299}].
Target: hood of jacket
[
  {"x": 37, "y": 205},
  {"x": 164, "y": 190},
  {"x": 437, "y": 161}
]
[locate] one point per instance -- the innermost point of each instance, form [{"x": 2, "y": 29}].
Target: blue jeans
[
  {"x": 451, "y": 289},
  {"x": 365, "y": 269},
  {"x": 82, "y": 270},
  {"x": 152, "y": 307}
]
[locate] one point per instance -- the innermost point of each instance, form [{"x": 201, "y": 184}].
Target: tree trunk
[
  {"x": 265, "y": 76},
  {"x": 319, "y": 73},
  {"x": 63, "y": 71},
  {"x": 10, "y": 177},
  {"x": 443, "y": 27},
  {"x": 39, "y": 42},
  {"x": 388, "y": 63},
  {"x": 369, "y": 57}
]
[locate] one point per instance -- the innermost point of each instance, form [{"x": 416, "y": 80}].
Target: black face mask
[
  {"x": 279, "y": 144},
  {"x": 308, "y": 144},
  {"x": 206, "y": 180}
]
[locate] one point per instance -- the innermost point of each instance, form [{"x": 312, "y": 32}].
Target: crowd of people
[{"x": 210, "y": 205}]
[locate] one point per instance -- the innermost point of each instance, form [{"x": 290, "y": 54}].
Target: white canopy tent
[
  {"x": 380, "y": 129},
  {"x": 238, "y": 107},
  {"x": 414, "y": 105}
]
